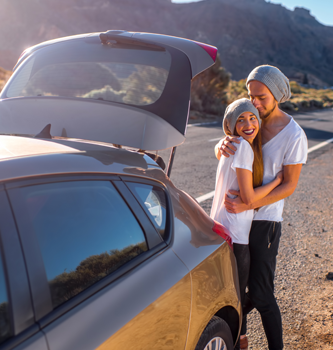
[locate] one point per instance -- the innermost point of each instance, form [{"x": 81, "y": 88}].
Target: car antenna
[{"x": 45, "y": 133}]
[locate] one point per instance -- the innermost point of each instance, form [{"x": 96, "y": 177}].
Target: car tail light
[
  {"x": 211, "y": 50},
  {"x": 223, "y": 232}
]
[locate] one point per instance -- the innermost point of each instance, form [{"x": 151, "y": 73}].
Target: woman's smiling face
[{"x": 247, "y": 126}]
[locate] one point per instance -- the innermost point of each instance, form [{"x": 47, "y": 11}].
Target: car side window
[
  {"x": 153, "y": 200},
  {"x": 85, "y": 231},
  {"x": 5, "y": 329}
]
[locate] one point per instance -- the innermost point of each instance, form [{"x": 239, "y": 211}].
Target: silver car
[{"x": 99, "y": 250}]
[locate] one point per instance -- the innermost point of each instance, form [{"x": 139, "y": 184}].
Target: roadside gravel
[{"x": 303, "y": 292}]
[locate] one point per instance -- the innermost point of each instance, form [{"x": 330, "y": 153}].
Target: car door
[
  {"x": 18, "y": 329},
  {"x": 101, "y": 274}
]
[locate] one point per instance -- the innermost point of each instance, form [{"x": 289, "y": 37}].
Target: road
[{"x": 302, "y": 289}]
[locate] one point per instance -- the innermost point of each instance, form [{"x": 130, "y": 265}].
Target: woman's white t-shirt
[{"x": 239, "y": 225}]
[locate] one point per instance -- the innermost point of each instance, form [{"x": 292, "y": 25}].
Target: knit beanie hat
[
  {"x": 274, "y": 79},
  {"x": 233, "y": 111}
]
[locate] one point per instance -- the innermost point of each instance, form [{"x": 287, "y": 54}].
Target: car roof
[{"x": 24, "y": 157}]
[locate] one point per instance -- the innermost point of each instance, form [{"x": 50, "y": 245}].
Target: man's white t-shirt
[
  {"x": 239, "y": 225},
  {"x": 288, "y": 147}
]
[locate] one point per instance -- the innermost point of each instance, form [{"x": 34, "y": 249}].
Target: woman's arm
[{"x": 249, "y": 194}]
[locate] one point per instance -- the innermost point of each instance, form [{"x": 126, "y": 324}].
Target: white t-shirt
[
  {"x": 239, "y": 225},
  {"x": 288, "y": 147}
]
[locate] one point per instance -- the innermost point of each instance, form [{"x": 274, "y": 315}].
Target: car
[{"x": 99, "y": 249}]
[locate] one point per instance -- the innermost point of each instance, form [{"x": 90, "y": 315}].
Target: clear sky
[{"x": 321, "y": 9}]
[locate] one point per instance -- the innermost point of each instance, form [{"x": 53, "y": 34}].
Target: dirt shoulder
[{"x": 305, "y": 257}]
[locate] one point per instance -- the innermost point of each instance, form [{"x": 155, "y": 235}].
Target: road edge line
[{"x": 320, "y": 145}]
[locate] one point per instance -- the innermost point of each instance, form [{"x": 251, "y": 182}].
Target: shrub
[{"x": 208, "y": 90}]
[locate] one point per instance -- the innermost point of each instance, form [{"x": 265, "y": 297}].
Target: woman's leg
[{"x": 242, "y": 255}]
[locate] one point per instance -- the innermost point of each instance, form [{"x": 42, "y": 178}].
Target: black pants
[
  {"x": 264, "y": 244},
  {"x": 242, "y": 255}
]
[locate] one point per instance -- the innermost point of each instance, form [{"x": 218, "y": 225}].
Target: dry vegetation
[
  {"x": 4, "y": 76},
  {"x": 304, "y": 98}
]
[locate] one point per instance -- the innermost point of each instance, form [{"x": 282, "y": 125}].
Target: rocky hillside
[{"x": 247, "y": 32}]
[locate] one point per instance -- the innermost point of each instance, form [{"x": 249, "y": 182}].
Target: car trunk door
[{"x": 125, "y": 88}]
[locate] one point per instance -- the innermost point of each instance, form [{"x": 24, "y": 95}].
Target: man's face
[{"x": 261, "y": 98}]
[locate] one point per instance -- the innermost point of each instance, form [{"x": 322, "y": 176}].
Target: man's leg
[{"x": 264, "y": 244}]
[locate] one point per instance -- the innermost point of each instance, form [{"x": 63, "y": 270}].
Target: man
[{"x": 284, "y": 148}]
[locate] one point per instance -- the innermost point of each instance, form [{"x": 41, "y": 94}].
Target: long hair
[{"x": 258, "y": 163}]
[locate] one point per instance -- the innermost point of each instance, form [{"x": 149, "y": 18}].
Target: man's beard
[{"x": 266, "y": 114}]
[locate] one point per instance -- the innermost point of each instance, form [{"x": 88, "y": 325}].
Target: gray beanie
[
  {"x": 274, "y": 79},
  {"x": 234, "y": 110}
]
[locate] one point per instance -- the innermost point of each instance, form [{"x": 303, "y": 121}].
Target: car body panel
[
  {"x": 214, "y": 286},
  {"x": 28, "y": 157},
  {"x": 162, "y": 325},
  {"x": 154, "y": 125},
  {"x": 36, "y": 342},
  {"x": 143, "y": 294}
]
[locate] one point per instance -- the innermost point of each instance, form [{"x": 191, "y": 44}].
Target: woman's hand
[
  {"x": 235, "y": 205},
  {"x": 279, "y": 176},
  {"x": 225, "y": 147}
]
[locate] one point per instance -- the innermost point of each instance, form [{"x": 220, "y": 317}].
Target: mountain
[{"x": 247, "y": 32}]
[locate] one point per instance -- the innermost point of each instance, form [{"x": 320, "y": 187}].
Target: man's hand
[
  {"x": 225, "y": 147},
  {"x": 235, "y": 205}
]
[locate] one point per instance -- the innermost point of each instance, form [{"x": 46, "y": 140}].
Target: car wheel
[{"x": 216, "y": 336}]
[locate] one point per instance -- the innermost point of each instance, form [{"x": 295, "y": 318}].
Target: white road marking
[
  {"x": 317, "y": 120},
  {"x": 217, "y": 139},
  {"x": 205, "y": 196},
  {"x": 314, "y": 148},
  {"x": 199, "y": 124},
  {"x": 322, "y": 144}
]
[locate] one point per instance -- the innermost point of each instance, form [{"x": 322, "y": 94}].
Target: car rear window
[
  {"x": 135, "y": 76},
  {"x": 85, "y": 232},
  {"x": 5, "y": 330}
]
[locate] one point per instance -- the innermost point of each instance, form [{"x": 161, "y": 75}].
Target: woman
[{"x": 242, "y": 172}]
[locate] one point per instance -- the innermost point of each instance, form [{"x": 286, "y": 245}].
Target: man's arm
[
  {"x": 225, "y": 147},
  {"x": 291, "y": 175}
]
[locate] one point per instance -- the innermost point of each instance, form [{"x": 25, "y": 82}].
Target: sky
[{"x": 321, "y": 9}]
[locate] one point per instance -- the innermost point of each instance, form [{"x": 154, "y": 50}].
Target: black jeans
[
  {"x": 264, "y": 244},
  {"x": 242, "y": 255}
]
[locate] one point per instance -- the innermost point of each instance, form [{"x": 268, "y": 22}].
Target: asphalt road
[{"x": 195, "y": 164}]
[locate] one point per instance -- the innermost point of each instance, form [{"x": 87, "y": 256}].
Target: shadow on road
[{"x": 317, "y": 135}]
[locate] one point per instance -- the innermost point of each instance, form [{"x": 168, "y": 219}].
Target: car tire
[{"x": 216, "y": 336}]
